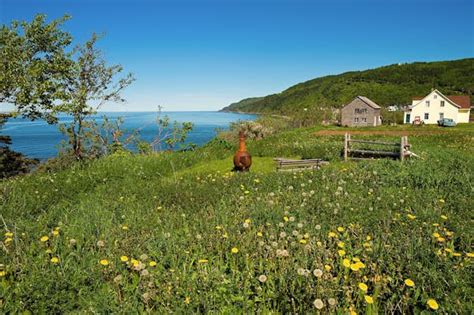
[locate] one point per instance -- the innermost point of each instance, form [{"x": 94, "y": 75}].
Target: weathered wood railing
[
  {"x": 400, "y": 150},
  {"x": 283, "y": 164}
]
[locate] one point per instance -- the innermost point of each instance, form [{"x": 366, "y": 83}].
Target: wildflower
[
  {"x": 104, "y": 262},
  {"x": 8, "y": 234},
  {"x": 152, "y": 263},
  {"x": 259, "y": 234},
  {"x": 331, "y": 234},
  {"x": 340, "y": 229},
  {"x": 332, "y": 301},
  {"x": 470, "y": 255},
  {"x": 341, "y": 252},
  {"x": 340, "y": 244},
  {"x": 441, "y": 201},
  {"x": 317, "y": 227},
  {"x": 303, "y": 241},
  {"x": 234, "y": 250},
  {"x": 444, "y": 217},
  {"x": 100, "y": 243},
  {"x": 355, "y": 267},
  {"x": 187, "y": 300},
  {"x": 8, "y": 240},
  {"x": 72, "y": 242},
  {"x": 202, "y": 261},
  {"x": 144, "y": 273},
  {"x": 441, "y": 239},
  {"x": 144, "y": 257},
  {"x": 436, "y": 234},
  {"x": 318, "y": 303},
  {"x": 363, "y": 287},
  {"x": 369, "y": 299},
  {"x": 247, "y": 221},
  {"x": 409, "y": 283},
  {"x": 262, "y": 278},
  {"x": 125, "y": 228},
  {"x": 48, "y": 251},
  {"x": 432, "y": 304},
  {"x": 2, "y": 273},
  {"x": 285, "y": 219},
  {"x": 292, "y": 219},
  {"x": 317, "y": 273},
  {"x": 55, "y": 260},
  {"x": 55, "y": 233},
  {"x": 44, "y": 239},
  {"x": 411, "y": 217},
  {"x": 346, "y": 262},
  {"x": 123, "y": 258},
  {"x": 327, "y": 267}
]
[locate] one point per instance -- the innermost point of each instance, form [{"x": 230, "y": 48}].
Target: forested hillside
[{"x": 388, "y": 85}]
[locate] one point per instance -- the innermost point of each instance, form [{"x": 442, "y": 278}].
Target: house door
[{"x": 407, "y": 118}]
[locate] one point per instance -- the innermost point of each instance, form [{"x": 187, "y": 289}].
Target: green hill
[{"x": 388, "y": 85}]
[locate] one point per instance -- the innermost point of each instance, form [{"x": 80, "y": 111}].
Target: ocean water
[{"x": 37, "y": 139}]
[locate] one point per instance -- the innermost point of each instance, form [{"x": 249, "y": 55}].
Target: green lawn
[{"x": 199, "y": 238}]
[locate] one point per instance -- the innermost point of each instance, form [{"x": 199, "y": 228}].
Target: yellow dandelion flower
[
  {"x": 104, "y": 262},
  {"x": 55, "y": 260},
  {"x": 435, "y": 224},
  {"x": 356, "y": 259},
  {"x": 369, "y": 299},
  {"x": 152, "y": 263},
  {"x": 444, "y": 217},
  {"x": 234, "y": 250},
  {"x": 285, "y": 219},
  {"x": 44, "y": 239},
  {"x": 259, "y": 234},
  {"x": 340, "y": 229},
  {"x": 8, "y": 234},
  {"x": 340, "y": 244},
  {"x": 123, "y": 258},
  {"x": 125, "y": 227},
  {"x": 135, "y": 262},
  {"x": 346, "y": 262},
  {"x": 363, "y": 287},
  {"x": 225, "y": 235},
  {"x": 441, "y": 239},
  {"x": 332, "y": 234},
  {"x": 411, "y": 216},
  {"x": 218, "y": 227},
  {"x": 368, "y": 238},
  {"x": 202, "y": 261},
  {"x": 360, "y": 265},
  {"x": 456, "y": 254},
  {"x": 432, "y": 304},
  {"x": 247, "y": 221},
  {"x": 187, "y": 300},
  {"x": 409, "y": 283},
  {"x": 448, "y": 250},
  {"x": 341, "y": 252},
  {"x": 327, "y": 267},
  {"x": 8, "y": 240},
  {"x": 55, "y": 233},
  {"x": 470, "y": 255},
  {"x": 449, "y": 233},
  {"x": 436, "y": 234},
  {"x": 442, "y": 201},
  {"x": 303, "y": 241},
  {"x": 3, "y": 273},
  {"x": 354, "y": 267}
]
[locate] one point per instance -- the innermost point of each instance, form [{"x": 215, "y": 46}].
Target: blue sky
[{"x": 203, "y": 55}]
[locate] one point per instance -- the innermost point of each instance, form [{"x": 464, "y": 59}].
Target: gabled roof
[
  {"x": 368, "y": 102},
  {"x": 462, "y": 101}
]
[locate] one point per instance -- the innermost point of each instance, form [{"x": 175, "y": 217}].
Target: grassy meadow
[{"x": 179, "y": 232}]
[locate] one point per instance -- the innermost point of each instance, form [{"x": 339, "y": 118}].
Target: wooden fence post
[
  {"x": 402, "y": 148},
  {"x": 346, "y": 137}
]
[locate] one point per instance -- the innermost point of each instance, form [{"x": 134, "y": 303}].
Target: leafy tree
[
  {"x": 91, "y": 84},
  {"x": 34, "y": 66},
  {"x": 169, "y": 134}
]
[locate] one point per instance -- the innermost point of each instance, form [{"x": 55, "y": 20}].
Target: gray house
[{"x": 361, "y": 112}]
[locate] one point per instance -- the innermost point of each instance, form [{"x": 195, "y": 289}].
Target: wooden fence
[{"x": 396, "y": 150}]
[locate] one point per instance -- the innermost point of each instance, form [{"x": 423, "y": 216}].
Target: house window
[
  {"x": 435, "y": 96},
  {"x": 427, "y": 116},
  {"x": 356, "y": 120},
  {"x": 360, "y": 111},
  {"x": 441, "y": 116},
  {"x": 427, "y": 103},
  {"x": 407, "y": 118},
  {"x": 364, "y": 119},
  {"x": 442, "y": 104}
]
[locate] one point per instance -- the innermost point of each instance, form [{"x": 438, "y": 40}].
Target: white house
[{"x": 435, "y": 106}]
